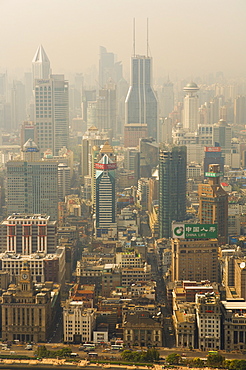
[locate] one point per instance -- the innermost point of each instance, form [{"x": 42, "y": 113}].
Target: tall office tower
[
  {"x": 172, "y": 190},
  {"x": 195, "y": 260},
  {"x": 141, "y": 101},
  {"x": 191, "y": 107},
  {"x": 105, "y": 225},
  {"x": 93, "y": 137},
  {"x": 40, "y": 65},
  {"x": 165, "y": 128},
  {"x": 18, "y": 105},
  {"x": 51, "y": 113},
  {"x": 106, "y": 66},
  {"x": 167, "y": 99},
  {"x": 213, "y": 155},
  {"x": 64, "y": 181},
  {"x": 240, "y": 110},
  {"x": 28, "y": 131},
  {"x": 132, "y": 162},
  {"x": 87, "y": 96},
  {"x": 222, "y": 135},
  {"x": 24, "y": 233},
  {"x": 213, "y": 203},
  {"x": 106, "y": 116},
  {"x": 32, "y": 187}
]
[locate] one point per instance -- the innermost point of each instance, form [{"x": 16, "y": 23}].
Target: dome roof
[{"x": 191, "y": 86}]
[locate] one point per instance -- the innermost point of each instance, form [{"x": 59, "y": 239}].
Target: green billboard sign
[
  {"x": 195, "y": 231},
  {"x": 213, "y": 174}
]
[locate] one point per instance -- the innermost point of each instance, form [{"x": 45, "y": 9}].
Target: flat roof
[{"x": 234, "y": 305}]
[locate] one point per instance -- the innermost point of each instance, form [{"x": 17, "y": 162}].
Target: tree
[
  {"x": 173, "y": 359},
  {"x": 196, "y": 362},
  {"x": 215, "y": 360},
  {"x": 42, "y": 352}
]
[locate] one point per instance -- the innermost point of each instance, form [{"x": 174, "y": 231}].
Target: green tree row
[
  {"x": 43, "y": 352},
  {"x": 151, "y": 355},
  {"x": 213, "y": 360}
]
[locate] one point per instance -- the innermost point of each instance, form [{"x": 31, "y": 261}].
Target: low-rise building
[
  {"x": 28, "y": 312},
  {"x": 208, "y": 315},
  {"x": 140, "y": 329},
  {"x": 78, "y": 322},
  {"x": 234, "y": 324}
]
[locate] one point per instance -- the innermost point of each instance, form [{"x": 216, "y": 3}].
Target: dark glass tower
[
  {"x": 172, "y": 180},
  {"x": 141, "y": 101}
]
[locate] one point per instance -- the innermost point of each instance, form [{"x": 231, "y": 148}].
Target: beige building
[
  {"x": 234, "y": 322},
  {"x": 78, "y": 322},
  {"x": 28, "y": 312},
  {"x": 208, "y": 315},
  {"x": 184, "y": 320},
  {"x": 195, "y": 260},
  {"x": 140, "y": 329},
  {"x": 240, "y": 277}
]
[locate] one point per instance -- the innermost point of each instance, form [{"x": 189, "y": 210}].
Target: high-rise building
[
  {"x": 18, "y": 104},
  {"x": 106, "y": 193},
  {"x": 240, "y": 110},
  {"x": 222, "y": 135},
  {"x": 213, "y": 155},
  {"x": 109, "y": 69},
  {"x": 25, "y": 234},
  {"x": 191, "y": 105},
  {"x": 213, "y": 203},
  {"x": 106, "y": 109},
  {"x": 195, "y": 260},
  {"x": 32, "y": 187},
  {"x": 52, "y": 113},
  {"x": 172, "y": 190},
  {"x": 28, "y": 131},
  {"x": 141, "y": 101},
  {"x": 64, "y": 181},
  {"x": 40, "y": 65},
  {"x": 168, "y": 99},
  {"x": 92, "y": 137}
]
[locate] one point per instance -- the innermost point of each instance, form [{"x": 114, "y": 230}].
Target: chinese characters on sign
[{"x": 194, "y": 231}]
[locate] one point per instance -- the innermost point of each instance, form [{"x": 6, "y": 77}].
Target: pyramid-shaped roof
[
  {"x": 106, "y": 148},
  {"x": 40, "y": 56}
]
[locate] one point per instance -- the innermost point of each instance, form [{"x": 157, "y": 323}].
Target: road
[
  {"x": 168, "y": 331},
  {"x": 20, "y": 350}
]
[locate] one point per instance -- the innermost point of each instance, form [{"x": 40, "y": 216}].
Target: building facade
[
  {"x": 141, "y": 101},
  {"x": 172, "y": 188}
]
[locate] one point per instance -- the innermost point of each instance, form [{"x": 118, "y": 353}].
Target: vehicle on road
[{"x": 28, "y": 347}]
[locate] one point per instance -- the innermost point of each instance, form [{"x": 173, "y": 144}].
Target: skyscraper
[
  {"x": 222, "y": 135},
  {"x": 172, "y": 180},
  {"x": 32, "y": 187},
  {"x": 191, "y": 105},
  {"x": 40, "y": 65},
  {"x": 141, "y": 101},
  {"x": 52, "y": 113},
  {"x": 213, "y": 202},
  {"x": 106, "y": 193}
]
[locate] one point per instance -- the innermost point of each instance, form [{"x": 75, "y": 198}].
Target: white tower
[
  {"x": 41, "y": 65},
  {"x": 191, "y": 105}
]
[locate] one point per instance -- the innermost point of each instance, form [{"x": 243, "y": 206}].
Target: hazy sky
[{"x": 186, "y": 36}]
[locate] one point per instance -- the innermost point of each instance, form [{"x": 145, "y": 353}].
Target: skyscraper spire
[{"x": 40, "y": 65}]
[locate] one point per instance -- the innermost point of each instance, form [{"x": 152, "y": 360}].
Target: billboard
[
  {"x": 212, "y": 149},
  {"x": 213, "y": 174},
  {"x": 105, "y": 166},
  {"x": 194, "y": 231}
]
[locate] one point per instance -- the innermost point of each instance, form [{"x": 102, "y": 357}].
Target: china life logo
[{"x": 178, "y": 231}]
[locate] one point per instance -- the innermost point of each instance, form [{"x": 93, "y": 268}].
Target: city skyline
[{"x": 189, "y": 41}]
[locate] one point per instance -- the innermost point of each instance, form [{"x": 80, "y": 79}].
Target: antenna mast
[
  {"x": 147, "y": 37},
  {"x": 134, "y": 38}
]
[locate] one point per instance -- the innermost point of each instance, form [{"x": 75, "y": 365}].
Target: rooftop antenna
[
  {"x": 147, "y": 37},
  {"x": 134, "y": 38}
]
